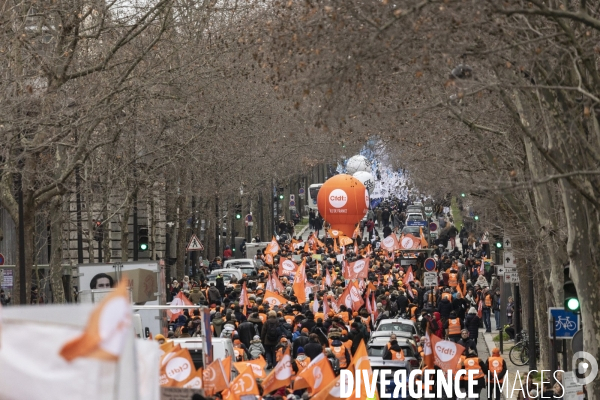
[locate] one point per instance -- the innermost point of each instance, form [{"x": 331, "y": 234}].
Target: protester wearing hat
[
  {"x": 472, "y": 324},
  {"x": 301, "y": 361}
]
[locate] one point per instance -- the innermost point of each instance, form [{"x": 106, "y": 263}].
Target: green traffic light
[
  {"x": 462, "y": 195},
  {"x": 233, "y": 249},
  {"x": 499, "y": 245},
  {"x": 143, "y": 246},
  {"x": 281, "y": 197},
  {"x": 238, "y": 216},
  {"x": 476, "y": 218},
  {"x": 573, "y": 304}
]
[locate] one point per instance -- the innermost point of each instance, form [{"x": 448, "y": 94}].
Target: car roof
[
  {"x": 397, "y": 320},
  {"x": 240, "y": 261},
  {"x": 387, "y": 334},
  {"x": 378, "y": 362},
  {"x": 380, "y": 341}
]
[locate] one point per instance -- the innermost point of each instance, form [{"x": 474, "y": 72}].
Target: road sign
[
  {"x": 195, "y": 244},
  {"x": 429, "y": 211},
  {"x": 511, "y": 277},
  {"x": 577, "y": 342},
  {"x": 1, "y": 259},
  {"x": 7, "y": 279},
  {"x": 509, "y": 259},
  {"x": 433, "y": 227},
  {"x": 429, "y": 264},
  {"x": 507, "y": 243},
  {"x": 566, "y": 323},
  {"x": 292, "y": 203},
  {"x": 301, "y": 190},
  {"x": 430, "y": 279},
  {"x": 417, "y": 223}
]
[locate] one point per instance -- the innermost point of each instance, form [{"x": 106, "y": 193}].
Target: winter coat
[
  {"x": 472, "y": 324},
  {"x": 257, "y": 322},
  {"x": 440, "y": 324},
  {"x": 246, "y": 332},
  {"x": 270, "y": 323},
  {"x": 356, "y": 336},
  {"x": 313, "y": 349},
  {"x": 217, "y": 324},
  {"x": 445, "y": 308},
  {"x": 256, "y": 349},
  {"x": 300, "y": 341},
  {"x": 214, "y": 296},
  {"x": 197, "y": 296}
]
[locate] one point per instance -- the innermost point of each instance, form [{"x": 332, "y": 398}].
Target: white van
[{"x": 222, "y": 348}]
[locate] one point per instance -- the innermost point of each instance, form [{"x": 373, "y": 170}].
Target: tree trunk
[
  {"x": 56, "y": 229},
  {"x": 582, "y": 228},
  {"x": 125, "y": 231},
  {"x": 181, "y": 235}
]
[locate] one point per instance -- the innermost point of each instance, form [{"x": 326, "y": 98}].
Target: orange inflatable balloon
[{"x": 343, "y": 201}]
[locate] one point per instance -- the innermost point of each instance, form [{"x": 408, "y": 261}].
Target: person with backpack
[
  {"x": 269, "y": 336},
  {"x": 300, "y": 341},
  {"x": 246, "y": 331},
  {"x": 256, "y": 348}
]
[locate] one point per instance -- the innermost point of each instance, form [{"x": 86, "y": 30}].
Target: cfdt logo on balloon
[{"x": 338, "y": 198}]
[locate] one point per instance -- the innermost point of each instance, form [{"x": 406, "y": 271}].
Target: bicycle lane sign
[{"x": 567, "y": 323}]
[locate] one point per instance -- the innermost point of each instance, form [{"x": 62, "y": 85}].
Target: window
[{"x": 396, "y": 328}]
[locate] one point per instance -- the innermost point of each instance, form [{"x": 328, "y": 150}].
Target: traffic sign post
[
  {"x": 511, "y": 277},
  {"x": 509, "y": 259},
  {"x": 566, "y": 323},
  {"x": 429, "y": 279},
  {"x": 195, "y": 244},
  {"x": 429, "y": 264},
  {"x": 416, "y": 223},
  {"x": 428, "y": 211},
  {"x": 433, "y": 227}
]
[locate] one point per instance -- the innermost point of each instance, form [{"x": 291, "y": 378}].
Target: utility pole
[
  {"x": 260, "y": 216},
  {"x": 135, "y": 227},
  {"x": 78, "y": 213},
  {"x": 531, "y": 313},
  {"x": 217, "y": 227},
  {"x": 22, "y": 268}
]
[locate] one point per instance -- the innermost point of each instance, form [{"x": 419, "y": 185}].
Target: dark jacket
[
  {"x": 445, "y": 308},
  {"x": 197, "y": 296},
  {"x": 313, "y": 349},
  {"x": 472, "y": 324},
  {"x": 255, "y": 320},
  {"x": 301, "y": 341},
  {"x": 217, "y": 324},
  {"x": 402, "y": 302},
  {"x": 309, "y": 324},
  {"x": 214, "y": 296},
  {"x": 271, "y": 322},
  {"x": 356, "y": 336},
  {"x": 387, "y": 354},
  {"x": 246, "y": 332},
  {"x": 460, "y": 306},
  {"x": 468, "y": 344}
]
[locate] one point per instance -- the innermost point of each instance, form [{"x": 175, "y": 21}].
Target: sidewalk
[{"x": 512, "y": 368}]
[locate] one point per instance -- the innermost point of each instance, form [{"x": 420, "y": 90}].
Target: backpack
[
  {"x": 272, "y": 332},
  {"x": 227, "y": 333},
  {"x": 393, "y": 308}
]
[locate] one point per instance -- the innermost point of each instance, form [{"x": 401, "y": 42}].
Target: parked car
[
  {"x": 414, "y": 217},
  {"x": 393, "y": 366},
  {"x": 414, "y": 230},
  {"x": 377, "y": 346},
  {"x": 399, "y": 325},
  {"x": 222, "y": 348},
  {"x": 226, "y": 273},
  {"x": 248, "y": 266}
]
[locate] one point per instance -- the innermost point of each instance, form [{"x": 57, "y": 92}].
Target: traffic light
[
  {"x": 463, "y": 195},
  {"x": 281, "y": 196},
  {"x": 571, "y": 299},
  {"x": 498, "y": 241},
  {"x": 238, "y": 211},
  {"x": 143, "y": 238},
  {"x": 476, "y": 217}
]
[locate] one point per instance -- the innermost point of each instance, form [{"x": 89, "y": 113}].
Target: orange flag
[
  {"x": 358, "y": 269},
  {"x": 281, "y": 376},
  {"x": 274, "y": 299},
  {"x": 441, "y": 353},
  {"x": 244, "y": 296},
  {"x": 316, "y": 375},
  {"x": 332, "y": 391},
  {"x": 299, "y": 283},
  {"x": 215, "y": 379},
  {"x": 269, "y": 259},
  {"x": 408, "y": 242},
  {"x": 176, "y": 368},
  {"x": 179, "y": 300},
  {"x": 334, "y": 233},
  {"x": 244, "y": 384},
  {"x": 306, "y": 248},
  {"x": 287, "y": 267},
  {"x": 351, "y": 297},
  {"x": 360, "y": 361},
  {"x": 196, "y": 381},
  {"x": 272, "y": 248},
  {"x": 167, "y": 347},
  {"x": 257, "y": 367},
  {"x": 107, "y": 329},
  {"x": 424, "y": 243},
  {"x": 408, "y": 276},
  {"x": 345, "y": 241},
  {"x": 390, "y": 243}
]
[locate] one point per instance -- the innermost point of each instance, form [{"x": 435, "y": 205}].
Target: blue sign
[
  {"x": 567, "y": 323},
  {"x": 430, "y": 264},
  {"x": 416, "y": 223},
  {"x": 1, "y": 259}
]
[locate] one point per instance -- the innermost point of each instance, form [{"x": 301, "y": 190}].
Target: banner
[
  {"x": 105, "y": 334},
  {"x": 390, "y": 243},
  {"x": 287, "y": 267},
  {"x": 274, "y": 299},
  {"x": 358, "y": 269},
  {"x": 281, "y": 376},
  {"x": 215, "y": 379},
  {"x": 441, "y": 353},
  {"x": 243, "y": 384},
  {"x": 176, "y": 368},
  {"x": 272, "y": 248},
  {"x": 257, "y": 366},
  {"x": 299, "y": 282},
  {"x": 351, "y": 297},
  {"x": 179, "y": 300},
  {"x": 316, "y": 375}
]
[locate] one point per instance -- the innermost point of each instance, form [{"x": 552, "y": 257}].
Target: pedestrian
[
  {"x": 270, "y": 337},
  {"x": 496, "y": 367},
  {"x": 472, "y": 324},
  {"x": 496, "y": 309},
  {"x": 510, "y": 309},
  {"x": 488, "y": 302},
  {"x": 256, "y": 348}
]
